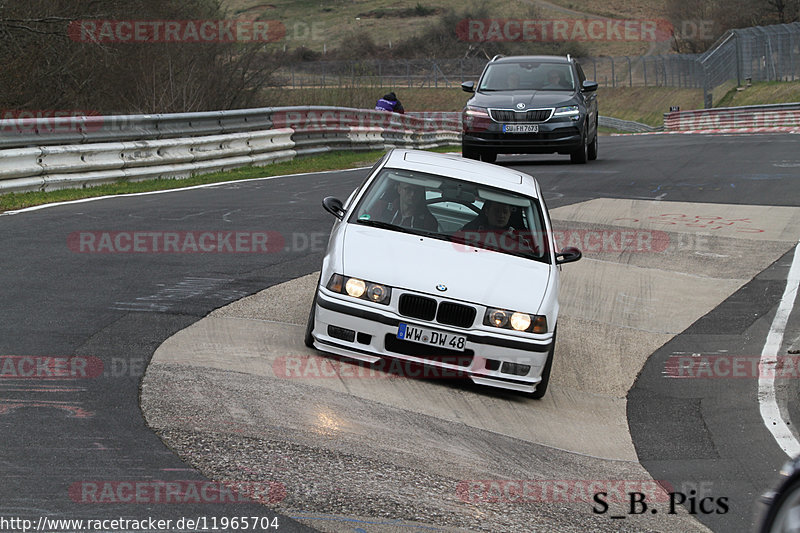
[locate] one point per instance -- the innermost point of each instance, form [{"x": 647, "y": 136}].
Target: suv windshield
[
  {"x": 461, "y": 212},
  {"x": 527, "y": 76}
]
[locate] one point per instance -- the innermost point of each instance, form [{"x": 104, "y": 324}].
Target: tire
[
  {"x": 592, "y": 155},
  {"x": 541, "y": 388},
  {"x": 776, "y": 517},
  {"x": 579, "y": 155},
  {"x": 488, "y": 157},
  {"x": 309, "y": 338},
  {"x": 469, "y": 153}
]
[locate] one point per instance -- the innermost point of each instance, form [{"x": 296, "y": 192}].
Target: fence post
[
  {"x": 613, "y": 75},
  {"x": 630, "y": 72},
  {"x": 644, "y": 69}
]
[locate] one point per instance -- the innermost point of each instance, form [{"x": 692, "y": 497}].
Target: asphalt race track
[{"x": 79, "y": 325}]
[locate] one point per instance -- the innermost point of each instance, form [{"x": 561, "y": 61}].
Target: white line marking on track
[{"x": 770, "y": 412}]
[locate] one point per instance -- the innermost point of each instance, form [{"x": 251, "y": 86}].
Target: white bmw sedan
[{"x": 443, "y": 262}]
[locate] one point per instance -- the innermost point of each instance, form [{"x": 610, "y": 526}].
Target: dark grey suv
[{"x": 531, "y": 105}]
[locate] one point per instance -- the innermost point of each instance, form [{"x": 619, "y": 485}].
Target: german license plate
[
  {"x": 431, "y": 337},
  {"x": 520, "y": 128}
]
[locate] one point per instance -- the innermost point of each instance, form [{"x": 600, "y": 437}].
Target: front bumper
[
  {"x": 560, "y": 136},
  {"x": 344, "y": 326}
]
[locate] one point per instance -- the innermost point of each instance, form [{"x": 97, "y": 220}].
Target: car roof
[
  {"x": 540, "y": 59},
  {"x": 455, "y": 166}
]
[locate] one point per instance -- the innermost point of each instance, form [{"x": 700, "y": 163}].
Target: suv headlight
[
  {"x": 476, "y": 112},
  {"x": 358, "y": 288},
  {"x": 567, "y": 111},
  {"x": 501, "y": 318}
]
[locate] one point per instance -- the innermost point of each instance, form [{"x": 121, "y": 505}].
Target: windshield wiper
[
  {"x": 379, "y": 224},
  {"x": 404, "y": 229}
]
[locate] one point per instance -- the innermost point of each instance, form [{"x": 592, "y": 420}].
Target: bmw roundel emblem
[
  {"x": 521, "y": 105},
  {"x": 441, "y": 287}
]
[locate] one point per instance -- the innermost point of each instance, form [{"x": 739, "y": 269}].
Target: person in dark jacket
[{"x": 390, "y": 103}]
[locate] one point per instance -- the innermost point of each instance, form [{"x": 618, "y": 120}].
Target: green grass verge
[
  {"x": 330, "y": 161},
  {"x": 762, "y": 93}
]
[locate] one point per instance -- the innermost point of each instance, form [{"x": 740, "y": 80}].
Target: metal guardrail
[
  {"x": 773, "y": 117},
  {"x": 180, "y": 145},
  {"x": 626, "y": 125},
  {"x": 97, "y": 128}
]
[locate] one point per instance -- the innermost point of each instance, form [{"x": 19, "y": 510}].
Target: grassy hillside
[
  {"x": 772, "y": 92},
  {"x": 330, "y": 24}
]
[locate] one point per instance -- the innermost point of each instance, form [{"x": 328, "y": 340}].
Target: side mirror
[
  {"x": 468, "y": 86},
  {"x": 333, "y": 206},
  {"x": 568, "y": 255},
  {"x": 589, "y": 86}
]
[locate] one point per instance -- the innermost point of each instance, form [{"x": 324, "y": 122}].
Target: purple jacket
[{"x": 390, "y": 103}]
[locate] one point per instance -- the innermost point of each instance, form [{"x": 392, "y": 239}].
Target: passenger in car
[
  {"x": 494, "y": 216},
  {"x": 555, "y": 80}
]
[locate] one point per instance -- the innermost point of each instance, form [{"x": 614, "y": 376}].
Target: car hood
[
  {"x": 470, "y": 274},
  {"x": 531, "y": 99}
]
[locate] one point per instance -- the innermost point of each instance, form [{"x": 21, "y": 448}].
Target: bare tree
[{"x": 48, "y": 66}]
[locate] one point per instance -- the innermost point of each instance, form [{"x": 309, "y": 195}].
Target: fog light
[{"x": 515, "y": 369}]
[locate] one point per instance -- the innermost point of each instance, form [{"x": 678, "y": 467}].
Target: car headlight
[
  {"x": 476, "y": 112},
  {"x": 358, "y": 288},
  {"x": 501, "y": 318},
  {"x": 567, "y": 111}
]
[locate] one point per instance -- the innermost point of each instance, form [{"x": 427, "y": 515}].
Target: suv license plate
[
  {"x": 520, "y": 128},
  {"x": 431, "y": 337}
]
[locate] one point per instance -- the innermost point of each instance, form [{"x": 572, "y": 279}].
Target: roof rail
[{"x": 498, "y": 56}]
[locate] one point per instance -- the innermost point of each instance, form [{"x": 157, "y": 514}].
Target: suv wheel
[
  {"x": 489, "y": 157},
  {"x": 469, "y": 153},
  {"x": 579, "y": 155},
  {"x": 592, "y": 155}
]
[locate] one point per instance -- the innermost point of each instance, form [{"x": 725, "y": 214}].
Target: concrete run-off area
[{"x": 239, "y": 397}]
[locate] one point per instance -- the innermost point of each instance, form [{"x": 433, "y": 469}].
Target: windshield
[
  {"x": 449, "y": 209},
  {"x": 528, "y": 76}
]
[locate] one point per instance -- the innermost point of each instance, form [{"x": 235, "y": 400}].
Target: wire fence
[{"x": 763, "y": 53}]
